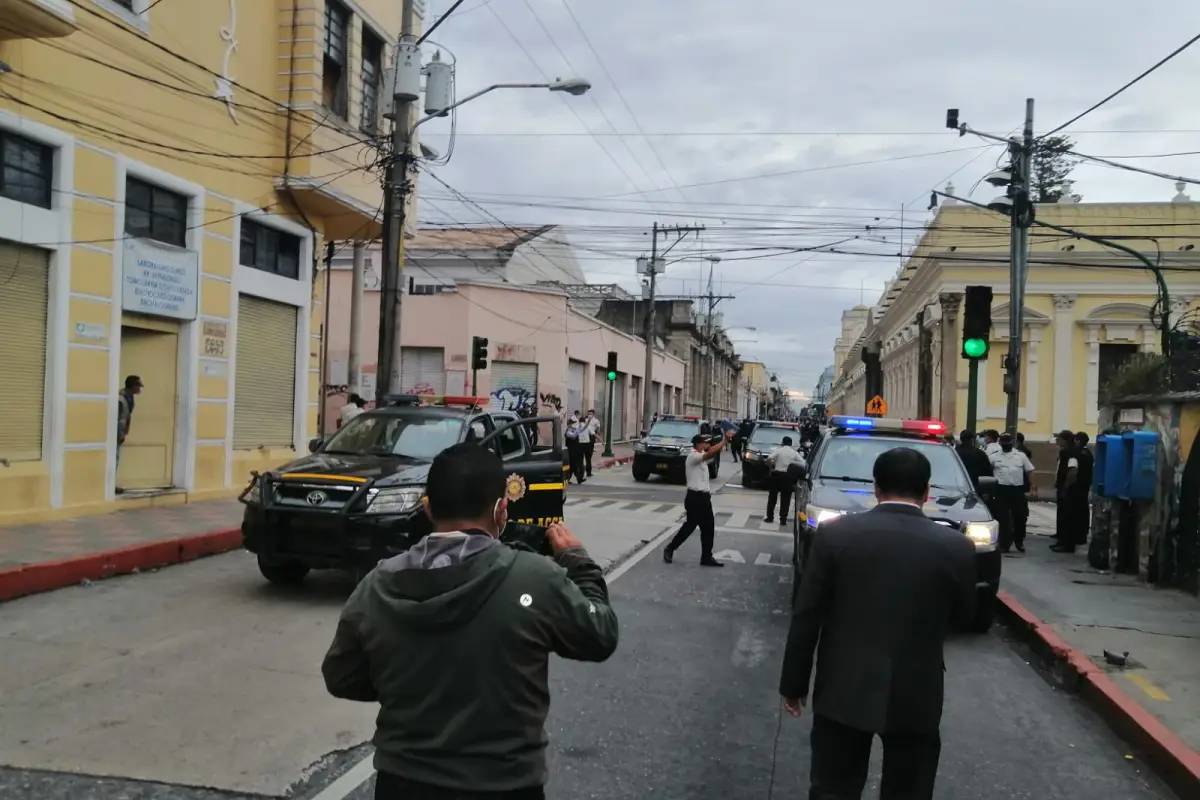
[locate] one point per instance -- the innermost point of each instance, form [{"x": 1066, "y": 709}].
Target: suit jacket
[{"x": 879, "y": 593}]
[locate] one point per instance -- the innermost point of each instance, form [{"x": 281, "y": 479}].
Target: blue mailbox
[
  {"x": 1142, "y": 450},
  {"x": 1102, "y": 444},
  {"x": 1117, "y": 461}
]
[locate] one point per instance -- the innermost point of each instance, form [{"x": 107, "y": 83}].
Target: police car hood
[
  {"x": 851, "y": 497},
  {"x": 384, "y": 470},
  {"x": 667, "y": 441}
]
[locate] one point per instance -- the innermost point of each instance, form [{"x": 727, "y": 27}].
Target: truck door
[{"x": 535, "y": 479}]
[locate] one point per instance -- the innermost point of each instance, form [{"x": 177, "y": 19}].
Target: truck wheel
[
  {"x": 985, "y": 611},
  {"x": 284, "y": 573},
  {"x": 641, "y": 475}
]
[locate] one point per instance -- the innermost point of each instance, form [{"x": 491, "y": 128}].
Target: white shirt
[
  {"x": 1010, "y": 468},
  {"x": 695, "y": 469},
  {"x": 1072, "y": 463},
  {"x": 784, "y": 457},
  {"x": 349, "y": 412},
  {"x": 584, "y": 432},
  {"x": 593, "y": 425},
  {"x": 992, "y": 448}
]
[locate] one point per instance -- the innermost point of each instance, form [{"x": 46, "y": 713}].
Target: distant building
[{"x": 824, "y": 386}]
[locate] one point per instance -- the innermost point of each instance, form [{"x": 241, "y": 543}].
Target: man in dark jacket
[
  {"x": 453, "y": 640},
  {"x": 1065, "y": 480},
  {"x": 879, "y": 592},
  {"x": 973, "y": 457},
  {"x": 1081, "y": 498}
]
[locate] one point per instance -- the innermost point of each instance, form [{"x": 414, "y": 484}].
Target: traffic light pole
[
  {"x": 972, "y": 393},
  {"x": 608, "y": 419},
  {"x": 1022, "y": 218}
]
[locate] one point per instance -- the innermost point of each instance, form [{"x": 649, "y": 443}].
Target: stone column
[
  {"x": 948, "y": 406},
  {"x": 1092, "y": 407},
  {"x": 1064, "y": 330}
]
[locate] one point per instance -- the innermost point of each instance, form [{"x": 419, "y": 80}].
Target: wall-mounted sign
[
  {"x": 160, "y": 281},
  {"x": 91, "y": 331},
  {"x": 215, "y": 335}
]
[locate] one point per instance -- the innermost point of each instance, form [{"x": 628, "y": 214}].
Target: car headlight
[
  {"x": 816, "y": 515},
  {"x": 254, "y": 493},
  {"x": 639, "y": 447},
  {"x": 395, "y": 501},
  {"x": 983, "y": 534}
]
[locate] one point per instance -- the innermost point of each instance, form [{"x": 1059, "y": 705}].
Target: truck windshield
[
  {"x": 853, "y": 458},
  {"x": 406, "y": 436},
  {"x": 766, "y": 436},
  {"x": 675, "y": 429}
]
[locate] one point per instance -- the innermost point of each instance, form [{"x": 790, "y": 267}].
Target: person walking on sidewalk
[
  {"x": 1012, "y": 469},
  {"x": 783, "y": 479},
  {"x": 879, "y": 593},
  {"x": 1064, "y": 488},
  {"x": 592, "y": 423},
  {"x": 126, "y": 401},
  {"x": 575, "y": 429},
  {"x": 453, "y": 637},
  {"x": 1081, "y": 501},
  {"x": 697, "y": 503}
]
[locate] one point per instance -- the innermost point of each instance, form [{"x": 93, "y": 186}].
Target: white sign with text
[{"x": 159, "y": 280}]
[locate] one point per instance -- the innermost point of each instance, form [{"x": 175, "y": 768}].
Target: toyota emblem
[{"x": 316, "y": 498}]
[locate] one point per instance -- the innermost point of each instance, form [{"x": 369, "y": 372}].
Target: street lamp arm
[{"x": 476, "y": 96}]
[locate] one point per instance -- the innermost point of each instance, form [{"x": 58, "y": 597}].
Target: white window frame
[
  {"x": 298, "y": 293},
  {"x": 187, "y": 358},
  {"x": 50, "y": 229},
  {"x": 138, "y": 18}
]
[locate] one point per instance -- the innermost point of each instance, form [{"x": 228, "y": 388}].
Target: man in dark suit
[{"x": 879, "y": 592}]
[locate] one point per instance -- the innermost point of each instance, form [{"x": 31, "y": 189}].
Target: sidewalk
[
  {"x": 52, "y": 555},
  {"x": 1076, "y": 613}
]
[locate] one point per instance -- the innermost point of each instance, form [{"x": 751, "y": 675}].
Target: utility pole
[
  {"x": 708, "y": 341},
  {"x": 358, "y": 287},
  {"x": 1021, "y": 219},
  {"x": 653, "y": 267},
  {"x": 395, "y": 195}
]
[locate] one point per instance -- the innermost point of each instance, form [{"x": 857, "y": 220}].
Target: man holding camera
[{"x": 453, "y": 637}]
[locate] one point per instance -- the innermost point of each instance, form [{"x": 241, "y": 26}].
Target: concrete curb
[
  {"x": 1171, "y": 757},
  {"x": 50, "y": 575},
  {"x": 612, "y": 462}
]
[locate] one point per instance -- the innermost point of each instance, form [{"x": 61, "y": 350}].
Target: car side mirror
[
  {"x": 645, "y": 434},
  {"x": 314, "y": 444},
  {"x": 987, "y": 485}
]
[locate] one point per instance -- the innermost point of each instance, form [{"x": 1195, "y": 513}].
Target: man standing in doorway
[
  {"x": 593, "y": 431},
  {"x": 125, "y": 404},
  {"x": 697, "y": 503}
]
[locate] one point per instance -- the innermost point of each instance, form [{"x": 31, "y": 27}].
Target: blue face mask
[{"x": 981, "y": 441}]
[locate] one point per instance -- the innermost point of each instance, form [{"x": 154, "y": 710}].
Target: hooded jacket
[{"x": 453, "y": 640}]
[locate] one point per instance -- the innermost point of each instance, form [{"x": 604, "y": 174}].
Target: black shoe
[
  {"x": 711, "y": 562},
  {"x": 668, "y": 556},
  {"x": 782, "y": 521},
  {"x": 769, "y": 519},
  {"x": 1020, "y": 547},
  {"x": 1004, "y": 550}
]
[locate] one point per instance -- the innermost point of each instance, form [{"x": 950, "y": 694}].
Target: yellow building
[
  {"x": 753, "y": 382},
  {"x": 171, "y": 173},
  {"x": 1087, "y": 310}
]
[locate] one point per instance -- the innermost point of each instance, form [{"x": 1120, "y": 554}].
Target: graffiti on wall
[
  {"x": 423, "y": 389},
  {"x": 553, "y": 401},
  {"x": 513, "y": 398}
]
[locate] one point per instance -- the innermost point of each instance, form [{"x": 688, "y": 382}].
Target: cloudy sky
[{"x": 790, "y": 125}]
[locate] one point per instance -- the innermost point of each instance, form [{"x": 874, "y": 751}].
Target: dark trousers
[
  {"x": 841, "y": 755},
  {"x": 779, "y": 488},
  {"x": 1081, "y": 516},
  {"x": 736, "y": 445},
  {"x": 1012, "y": 512},
  {"x": 575, "y": 458},
  {"x": 393, "y": 787},
  {"x": 1072, "y": 520},
  {"x": 588, "y": 449},
  {"x": 698, "y": 508}
]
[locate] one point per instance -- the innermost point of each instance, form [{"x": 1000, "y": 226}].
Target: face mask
[
  {"x": 1006, "y": 448},
  {"x": 500, "y": 520},
  {"x": 982, "y": 442}
]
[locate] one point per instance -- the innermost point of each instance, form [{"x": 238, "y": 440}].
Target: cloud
[{"x": 811, "y": 93}]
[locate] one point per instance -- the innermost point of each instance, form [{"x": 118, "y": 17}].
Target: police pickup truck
[
  {"x": 356, "y": 498},
  {"x": 839, "y": 481},
  {"x": 664, "y": 449}
]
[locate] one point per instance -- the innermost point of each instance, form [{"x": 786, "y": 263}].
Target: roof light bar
[{"x": 886, "y": 424}]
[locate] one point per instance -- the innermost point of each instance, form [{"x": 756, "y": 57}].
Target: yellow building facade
[
  {"x": 1087, "y": 310},
  {"x": 171, "y": 175}
]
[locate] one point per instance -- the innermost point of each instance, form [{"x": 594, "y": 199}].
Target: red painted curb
[
  {"x": 50, "y": 575},
  {"x": 612, "y": 462},
  {"x": 1175, "y": 761}
]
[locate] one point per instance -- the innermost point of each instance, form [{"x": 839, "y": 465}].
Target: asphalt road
[{"x": 202, "y": 676}]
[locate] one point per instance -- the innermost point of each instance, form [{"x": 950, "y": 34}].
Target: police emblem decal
[{"x": 515, "y": 488}]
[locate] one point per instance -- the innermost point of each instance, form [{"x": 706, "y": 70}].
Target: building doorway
[{"x": 150, "y": 350}]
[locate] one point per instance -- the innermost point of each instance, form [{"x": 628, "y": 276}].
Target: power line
[
  {"x": 1092, "y": 108},
  {"x": 436, "y": 23}
]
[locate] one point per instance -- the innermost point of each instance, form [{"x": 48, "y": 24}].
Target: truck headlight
[
  {"x": 816, "y": 515},
  {"x": 395, "y": 501},
  {"x": 983, "y": 534},
  {"x": 639, "y": 447}
]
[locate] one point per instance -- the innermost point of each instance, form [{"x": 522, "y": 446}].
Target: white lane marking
[
  {"x": 755, "y": 531},
  {"x": 738, "y": 519},
  {"x": 764, "y": 560},
  {"x": 730, "y": 555}
]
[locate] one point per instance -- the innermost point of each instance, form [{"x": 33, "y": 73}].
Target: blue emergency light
[{"x": 860, "y": 423}]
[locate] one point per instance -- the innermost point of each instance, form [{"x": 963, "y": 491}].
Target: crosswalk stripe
[{"x": 738, "y": 519}]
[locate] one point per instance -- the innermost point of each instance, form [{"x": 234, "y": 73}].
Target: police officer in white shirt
[
  {"x": 783, "y": 481},
  {"x": 1010, "y": 466},
  {"x": 697, "y": 504}
]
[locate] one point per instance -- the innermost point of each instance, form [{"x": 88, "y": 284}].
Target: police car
[
  {"x": 765, "y": 440},
  {"x": 664, "y": 449},
  {"x": 839, "y": 481},
  {"x": 356, "y": 498}
]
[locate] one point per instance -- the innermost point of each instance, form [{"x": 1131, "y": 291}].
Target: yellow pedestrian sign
[{"x": 877, "y": 407}]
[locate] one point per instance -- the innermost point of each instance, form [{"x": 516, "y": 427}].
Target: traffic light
[
  {"x": 977, "y": 321},
  {"x": 479, "y": 353},
  {"x": 612, "y": 365}
]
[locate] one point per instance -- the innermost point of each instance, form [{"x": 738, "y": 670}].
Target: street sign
[{"x": 877, "y": 407}]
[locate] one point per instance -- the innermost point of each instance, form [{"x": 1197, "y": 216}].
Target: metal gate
[
  {"x": 423, "y": 371},
  {"x": 514, "y": 386},
  {"x": 576, "y": 372},
  {"x": 600, "y": 395}
]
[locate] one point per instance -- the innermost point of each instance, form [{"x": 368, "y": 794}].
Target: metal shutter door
[
  {"x": 575, "y": 386},
  {"x": 264, "y": 391},
  {"x": 423, "y": 371},
  {"x": 24, "y": 298},
  {"x": 514, "y": 385},
  {"x": 600, "y": 391},
  {"x": 618, "y": 431}
]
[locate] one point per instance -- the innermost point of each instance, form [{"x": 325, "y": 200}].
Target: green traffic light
[
  {"x": 612, "y": 376},
  {"x": 975, "y": 348}
]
